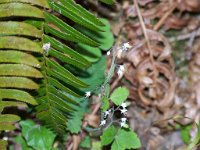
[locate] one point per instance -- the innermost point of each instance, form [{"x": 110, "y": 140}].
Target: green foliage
[
  {"x": 105, "y": 99},
  {"x": 90, "y": 53},
  {"x": 57, "y": 106},
  {"x": 108, "y": 136},
  {"x": 18, "y": 65},
  {"x": 106, "y": 40},
  {"x": 109, "y": 2},
  {"x": 96, "y": 145},
  {"x": 119, "y": 95},
  {"x": 193, "y": 143},
  {"x": 42, "y": 3},
  {"x": 94, "y": 75},
  {"x": 105, "y": 103},
  {"x": 23, "y": 61},
  {"x": 121, "y": 139},
  {"x": 17, "y": 9},
  {"x": 125, "y": 139},
  {"x": 35, "y": 137},
  {"x": 3, "y": 145},
  {"x": 185, "y": 134},
  {"x": 86, "y": 142},
  {"x": 21, "y": 141},
  {"x": 77, "y": 13},
  {"x": 75, "y": 120}
]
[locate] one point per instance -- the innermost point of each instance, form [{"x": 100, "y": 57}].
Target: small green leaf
[
  {"x": 105, "y": 103},
  {"x": 7, "y": 126},
  {"x": 86, "y": 142},
  {"x": 96, "y": 145},
  {"x": 42, "y": 3},
  {"x": 3, "y": 145},
  {"x": 19, "y": 28},
  {"x": 196, "y": 139},
  {"x": 20, "y": 10},
  {"x": 9, "y": 118},
  {"x": 109, "y": 2},
  {"x": 119, "y": 95},
  {"x": 108, "y": 135},
  {"x": 36, "y": 23},
  {"x": 185, "y": 134},
  {"x": 107, "y": 91},
  {"x": 38, "y": 137},
  {"x": 19, "y": 43},
  {"x": 92, "y": 54},
  {"x": 126, "y": 139},
  {"x": 11, "y": 56},
  {"x": 20, "y": 140},
  {"x": 75, "y": 121},
  {"x": 19, "y": 70},
  {"x": 17, "y": 95},
  {"x": 94, "y": 75},
  {"x": 18, "y": 82}
]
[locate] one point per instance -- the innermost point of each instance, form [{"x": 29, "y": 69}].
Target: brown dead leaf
[{"x": 93, "y": 120}]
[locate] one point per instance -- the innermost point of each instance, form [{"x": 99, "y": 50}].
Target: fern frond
[
  {"x": 59, "y": 103},
  {"x": 76, "y": 13},
  {"x": 18, "y": 64},
  {"x": 21, "y": 49}
]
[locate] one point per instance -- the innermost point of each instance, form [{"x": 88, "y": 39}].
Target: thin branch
[
  {"x": 185, "y": 36},
  {"x": 166, "y": 15},
  {"x": 145, "y": 34},
  {"x": 143, "y": 27}
]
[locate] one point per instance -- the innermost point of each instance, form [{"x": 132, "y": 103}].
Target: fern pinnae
[
  {"x": 18, "y": 57},
  {"x": 66, "y": 10},
  {"x": 58, "y": 104},
  {"x": 19, "y": 43},
  {"x": 41, "y": 3},
  {"x": 65, "y": 49},
  {"x": 81, "y": 10},
  {"x": 70, "y": 31},
  {"x": 18, "y": 65},
  {"x": 17, "y": 9}
]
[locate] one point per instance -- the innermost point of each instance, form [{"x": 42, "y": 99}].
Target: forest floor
[{"x": 162, "y": 67}]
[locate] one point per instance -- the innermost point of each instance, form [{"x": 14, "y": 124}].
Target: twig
[
  {"x": 143, "y": 28},
  {"x": 185, "y": 36},
  {"x": 166, "y": 15},
  {"x": 145, "y": 35},
  {"x": 95, "y": 110}
]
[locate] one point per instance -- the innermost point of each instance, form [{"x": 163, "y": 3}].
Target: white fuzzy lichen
[
  {"x": 46, "y": 47},
  {"x": 87, "y": 94},
  {"x": 120, "y": 71}
]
